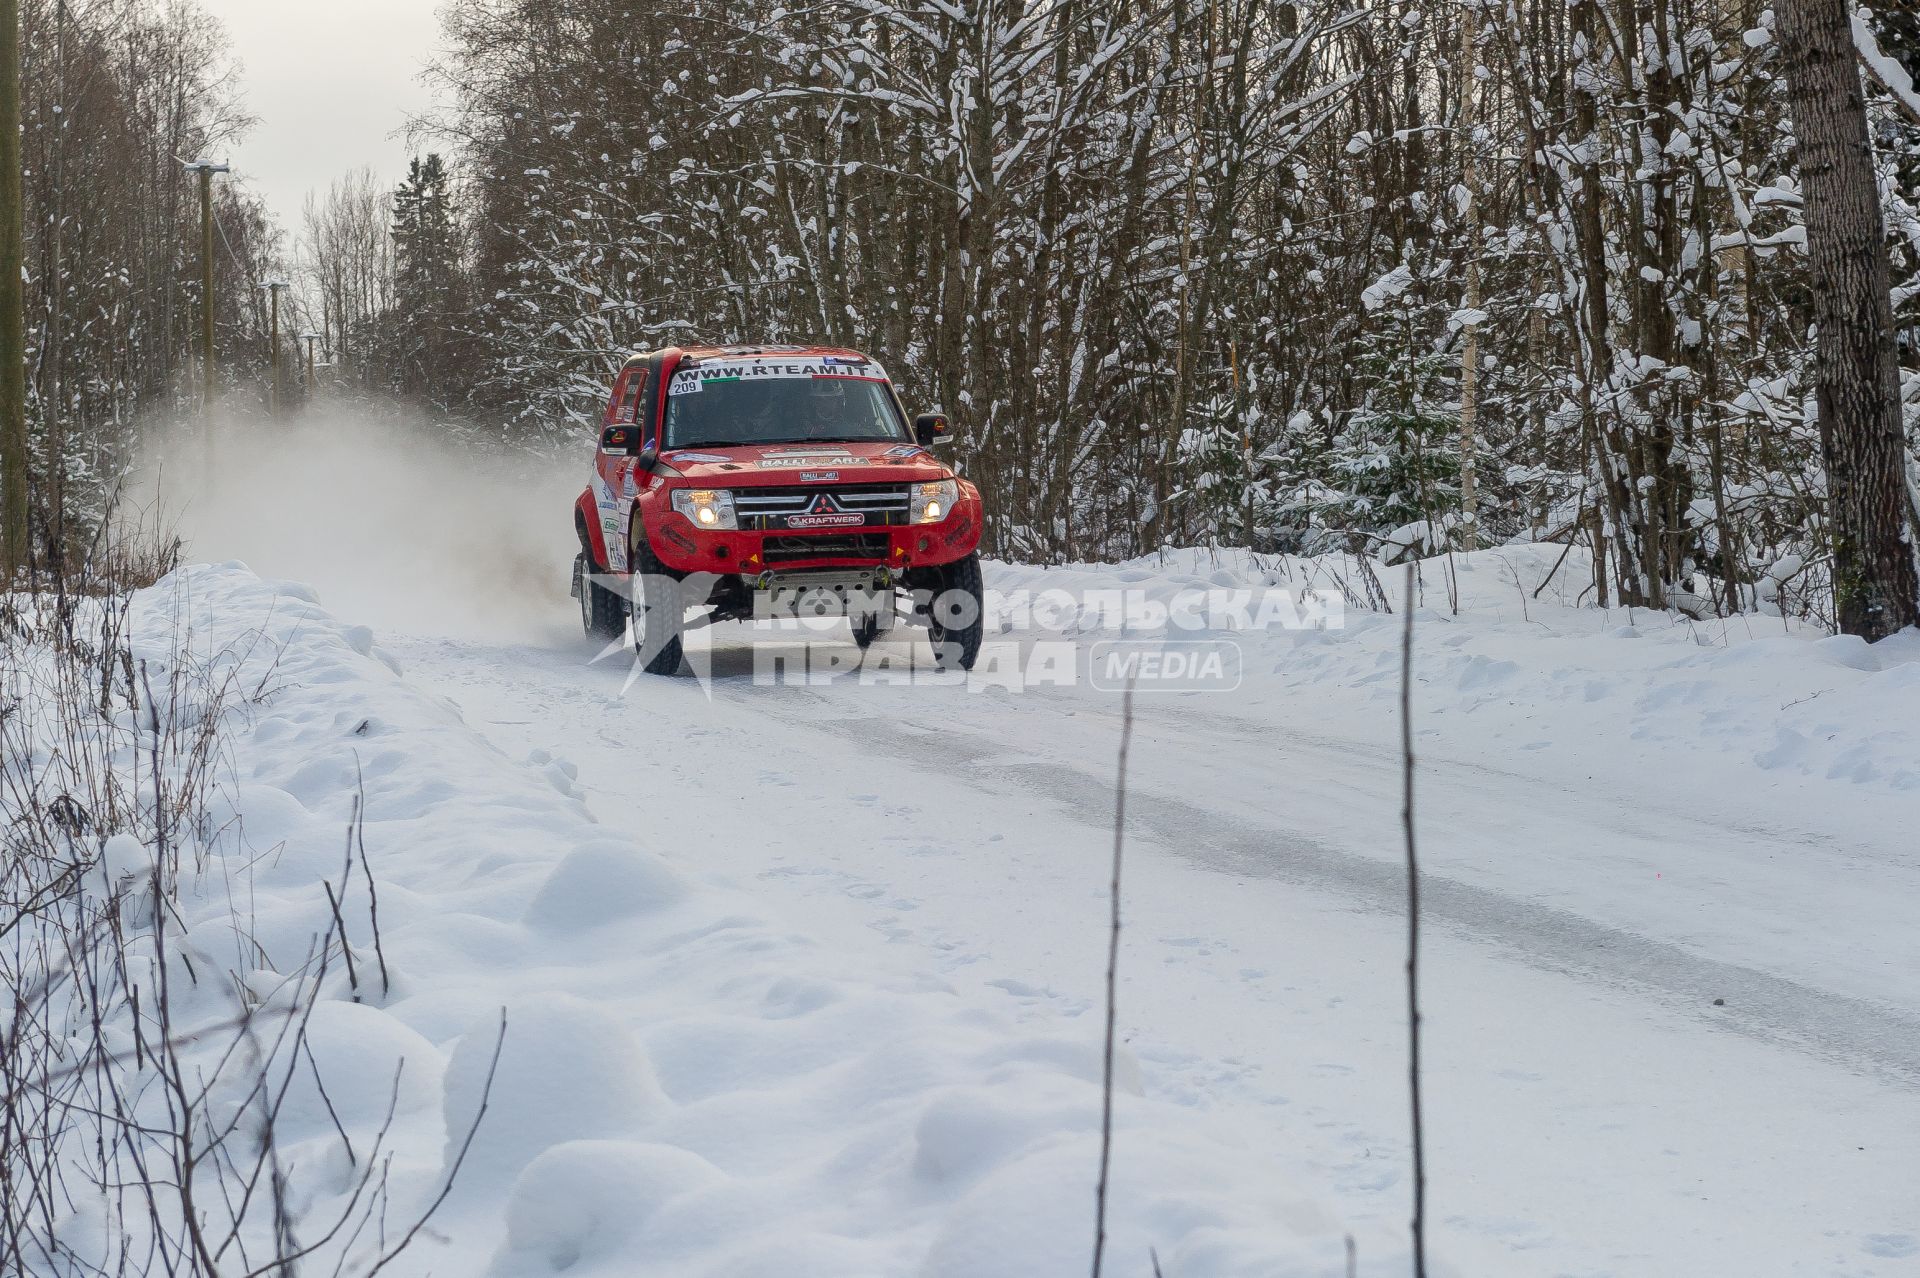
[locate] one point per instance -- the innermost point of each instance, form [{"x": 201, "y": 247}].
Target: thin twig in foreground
[
  {"x": 373, "y": 894},
  {"x": 459, "y": 1160},
  {"x": 339, "y": 921},
  {"x": 1413, "y": 937},
  {"x": 1113, "y": 963}
]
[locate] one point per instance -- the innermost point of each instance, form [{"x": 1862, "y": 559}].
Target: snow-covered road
[{"x": 1672, "y": 1026}]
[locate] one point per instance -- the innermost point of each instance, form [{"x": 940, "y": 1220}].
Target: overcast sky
[{"x": 331, "y": 81}]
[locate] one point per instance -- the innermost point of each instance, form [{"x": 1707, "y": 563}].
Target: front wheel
[
  {"x": 658, "y": 613},
  {"x": 957, "y": 617}
]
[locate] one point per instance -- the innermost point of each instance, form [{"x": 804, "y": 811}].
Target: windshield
[{"x": 779, "y": 402}]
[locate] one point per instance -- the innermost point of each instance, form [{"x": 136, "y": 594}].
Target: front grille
[
  {"x": 768, "y": 509},
  {"x": 787, "y": 549}
]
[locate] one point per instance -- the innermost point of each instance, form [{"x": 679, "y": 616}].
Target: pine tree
[{"x": 427, "y": 272}]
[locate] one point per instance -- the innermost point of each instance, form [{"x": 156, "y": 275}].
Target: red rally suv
[{"x": 760, "y": 480}]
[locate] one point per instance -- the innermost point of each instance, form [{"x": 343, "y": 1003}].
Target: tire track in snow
[{"x": 1854, "y": 1033}]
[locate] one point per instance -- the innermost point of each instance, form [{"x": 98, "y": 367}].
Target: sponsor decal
[
  {"x": 690, "y": 381},
  {"x": 778, "y": 463},
  {"x": 843, "y": 520},
  {"x": 819, "y": 476},
  {"x": 698, "y": 457},
  {"x": 905, "y": 450},
  {"x": 849, "y": 361}
]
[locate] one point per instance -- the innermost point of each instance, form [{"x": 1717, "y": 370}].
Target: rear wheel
[
  {"x": 658, "y": 613},
  {"x": 957, "y": 617},
  {"x": 603, "y": 613}
]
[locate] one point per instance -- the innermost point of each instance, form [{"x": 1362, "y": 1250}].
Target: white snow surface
[
  {"x": 807, "y": 979},
  {"x": 688, "y": 1083}
]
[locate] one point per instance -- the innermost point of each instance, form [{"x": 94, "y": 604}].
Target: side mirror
[
  {"x": 648, "y": 459},
  {"x": 931, "y": 428},
  {"x": 620, "y": 440}
]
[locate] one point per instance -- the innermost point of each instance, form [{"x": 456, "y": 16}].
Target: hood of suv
[{"x": 744, "y": 465}]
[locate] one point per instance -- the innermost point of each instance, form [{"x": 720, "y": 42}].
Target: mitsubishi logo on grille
[{"x": 825, "y": 512}]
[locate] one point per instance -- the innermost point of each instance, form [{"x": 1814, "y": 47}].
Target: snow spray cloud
[{"x": 391, "y": 520}]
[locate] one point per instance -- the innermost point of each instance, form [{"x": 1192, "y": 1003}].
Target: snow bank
[
  {"x": 664, "y": 1078},
  {"x": 1517, "y": 670}
]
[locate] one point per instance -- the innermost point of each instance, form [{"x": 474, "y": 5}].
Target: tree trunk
[
  {"x": 13, "y": 365},
  {"x": 1470, "y": 331},
  {"x": 1857, "y": 378}
]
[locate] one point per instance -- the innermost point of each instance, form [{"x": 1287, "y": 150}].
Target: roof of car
[{"x": 747, "y": 350}]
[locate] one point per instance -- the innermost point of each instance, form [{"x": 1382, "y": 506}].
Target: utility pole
[
  {"x": 313, "y": 387},
  {"x": 274, "y": 288},
  {"x": 13, "y": 309},
  {"x": 206, "y": 169}
]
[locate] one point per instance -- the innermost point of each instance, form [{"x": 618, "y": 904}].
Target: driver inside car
[{"x": 823, "y": 411}]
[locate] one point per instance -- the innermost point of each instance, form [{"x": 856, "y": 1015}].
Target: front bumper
[{"x": 683, "y": 547}]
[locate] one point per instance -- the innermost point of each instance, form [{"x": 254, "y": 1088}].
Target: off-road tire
[
  {"x": 657, "y": 610},
  {"x": 956, "y": 639},
  {"x": 603, "y": 613}
]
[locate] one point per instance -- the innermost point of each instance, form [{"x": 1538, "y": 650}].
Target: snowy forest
[
  {"x": 1302, "y": 277},
  {"x": 1371, "y": 697}
]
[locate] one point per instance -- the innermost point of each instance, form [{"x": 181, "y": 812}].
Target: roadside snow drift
[
  {"x": 1671, "y": 1025},
  {"x": 673, "y": 1082}
]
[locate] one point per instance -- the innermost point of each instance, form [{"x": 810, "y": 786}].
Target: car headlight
[
  {"x": 934, "y": 502},
  {"x": 709, "y": 508}
]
